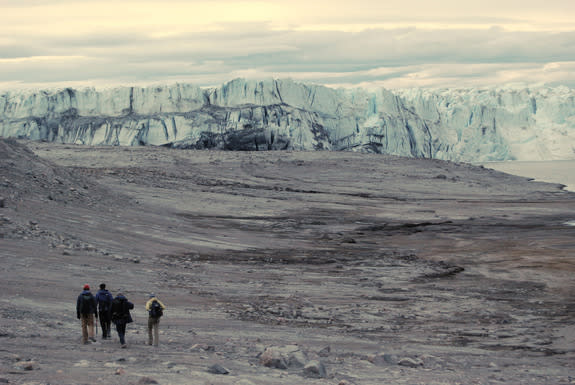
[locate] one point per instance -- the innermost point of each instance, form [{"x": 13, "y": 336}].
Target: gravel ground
[{"x": 284, "y": 268}]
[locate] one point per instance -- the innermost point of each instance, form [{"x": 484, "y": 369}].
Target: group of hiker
[{"x": 108, "y": 310}]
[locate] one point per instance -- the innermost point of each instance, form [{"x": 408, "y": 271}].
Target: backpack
[
  {"x": 105, "y": 301},
  {"x": 118, "y": 311},
  {"x": 156, "y": 310},
  {"x": 86, "y": 303}
]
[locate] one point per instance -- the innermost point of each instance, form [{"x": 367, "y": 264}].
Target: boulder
[
  {"x": 314, "y": 369},
  {"x": 410, "y": 362},
  {"x": 272, "y": 358},
  {"x": 283, "y": 357}
]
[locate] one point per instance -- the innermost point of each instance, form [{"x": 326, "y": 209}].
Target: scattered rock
[
  {"x": 26, "y": 365},
  {"x": 381, "y": 359},
  {"x": 346, "y": 382},
  {"x": 218, "y": 369},
  {"x": 202, "y": 348},
  {"x": 244, "y": 382},
  {"x": 296, "y": 359},
  {"x": 314, "y": 369},
  {"x": 272, "y": 358},
  {"x": 119, "y": 371},
  {"x": 410, "y": 362},
  {"x": 324, "y": 352},
  {"x": 15, "y": 357},
  {"x": 146, "y": 381},
  {"x": 283, "y": 357}
]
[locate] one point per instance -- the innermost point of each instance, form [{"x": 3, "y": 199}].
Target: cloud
[{"x": 392, "y": 43}]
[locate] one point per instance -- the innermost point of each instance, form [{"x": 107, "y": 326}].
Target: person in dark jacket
[
  {"x": 104, "y": 300},
  {"x": 86, "y": 311},
  {"x": 121, "y": 316}
]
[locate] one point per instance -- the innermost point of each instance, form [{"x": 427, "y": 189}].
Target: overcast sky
[{"x": 391, "y": 43}]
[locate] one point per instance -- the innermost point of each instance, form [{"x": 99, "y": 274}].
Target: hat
[
  {"x": 152, "y": 295},
  {"x": 86, "y": 287}
]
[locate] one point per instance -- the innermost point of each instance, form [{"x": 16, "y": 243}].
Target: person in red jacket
[{"x": 86, "y": 311}]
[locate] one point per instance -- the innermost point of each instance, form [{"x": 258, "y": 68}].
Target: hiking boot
[
  {"x": 92, "y": 339},
  {"x": 124, "y": 346}
]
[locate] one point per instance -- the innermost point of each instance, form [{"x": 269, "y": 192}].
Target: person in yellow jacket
[{"x": 155, "y": 310}]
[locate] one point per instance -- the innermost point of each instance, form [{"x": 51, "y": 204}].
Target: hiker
[
  {"x": 121, "y": 316},
  {"x": 86, "y": 311},
  {"x": 104, "y": 300},
  {"x": 155, "y": 310}
]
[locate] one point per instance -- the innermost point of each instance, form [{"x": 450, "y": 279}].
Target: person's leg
[
  {"x": 157, "y": 332},
  {"x": 102, "y": 316},
  {"x": 108, "y": 325},
  {"x": 119, "y": 330},
  {"x": 102, "y": 324},
  {"x": 84, "y": 322},
  {"x": 90, "y": 320},
  {"x": 150, "y": 327},
  {"x": 121, "y": 326}
]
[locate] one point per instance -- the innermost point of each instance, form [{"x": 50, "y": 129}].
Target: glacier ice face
[{"x": 456, "y": 124}]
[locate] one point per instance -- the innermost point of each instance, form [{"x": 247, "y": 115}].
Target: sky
[{"x": 365, "y": 43}]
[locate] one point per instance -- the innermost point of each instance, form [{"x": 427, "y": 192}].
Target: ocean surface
[{"x": 555, "y": 171}]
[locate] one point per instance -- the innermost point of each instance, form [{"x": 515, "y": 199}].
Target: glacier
[{"x": 472, "y": 125}]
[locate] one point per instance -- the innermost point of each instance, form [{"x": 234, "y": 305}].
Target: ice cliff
[{"x": 456, "y": 124}]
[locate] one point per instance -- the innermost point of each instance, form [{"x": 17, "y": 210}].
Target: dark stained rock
[{"x": 218, "y": 369}]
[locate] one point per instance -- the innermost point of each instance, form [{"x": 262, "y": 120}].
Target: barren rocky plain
[{"x": 284, "y": 268}]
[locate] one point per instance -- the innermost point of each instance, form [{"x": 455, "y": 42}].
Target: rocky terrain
[{"x": 284, "y": 268}]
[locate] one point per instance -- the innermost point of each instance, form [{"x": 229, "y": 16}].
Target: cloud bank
[{"x": 395, "y": 44}]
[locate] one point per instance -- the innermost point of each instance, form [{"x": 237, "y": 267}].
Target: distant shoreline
[{"x": 551, "y": 171}]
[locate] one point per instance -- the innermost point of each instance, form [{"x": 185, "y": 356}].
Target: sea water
[{"x": 554, "y": 171}]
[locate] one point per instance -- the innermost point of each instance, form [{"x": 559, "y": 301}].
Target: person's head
[
  {"x": 86, "y": 287},
  {"x": 102, "y": 286},
  {"x": 152, "y": 295}
]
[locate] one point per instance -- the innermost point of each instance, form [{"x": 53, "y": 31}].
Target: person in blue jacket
[
  {"x": 86, "y": 311},
  {"x": 121, "y": 316},
  {"x": 104, "y": 300}
]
